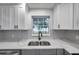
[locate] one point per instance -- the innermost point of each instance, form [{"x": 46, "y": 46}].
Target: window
[{"x": 40, "y": 23}]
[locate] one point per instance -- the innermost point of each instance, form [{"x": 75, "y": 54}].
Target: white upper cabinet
[
  {"x": 17, "y": 17},
  {"x": 13, "y": 18},
  {"x": 21, "y": 18},
  {"x": 1, "y": 18},
  {"x": 63, "y": 16},
  {"x": 28, "y": 24},
  {"x": 5, "y": 18},
  {"x": 76, "y": 16}
]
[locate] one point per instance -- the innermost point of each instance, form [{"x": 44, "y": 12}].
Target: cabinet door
[
  {"x": 28, "y": 19},
  {"x": 5, "y": 18},
  {"x": 66, "y": 52},
  {"x": 63, "y": 16},
  {"x": 60, "y": 51},
  {"x": 12, "y": 17},
  {"x": 17, "y": 18},
  {"x": 30, "y": 52},
  {"x": 9, "y": 52},
  {"x": 47, "y": 51},
  {"x": 0, "y": 18},
  {"x": 21, "y": 18},
  {"x": 76, "y": 16}
]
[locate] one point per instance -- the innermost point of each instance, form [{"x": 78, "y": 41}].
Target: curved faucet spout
[{"x": 39, "y": 35}]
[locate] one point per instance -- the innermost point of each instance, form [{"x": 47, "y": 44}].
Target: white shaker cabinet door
[
  {"x": 63, "y": 17},
  {"x": 21, "y": 18},
  {"x": 28, "y": 19},
  {"x": 5, "y": 18},
  {"x": 17, "y": 18},
  {"x": 12, "y": 17},
  {"x": 0, "y": 18},
  {"x": 76, "y": 16}
]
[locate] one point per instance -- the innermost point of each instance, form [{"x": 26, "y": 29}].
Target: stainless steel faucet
[{"x": 39, "y": 35}]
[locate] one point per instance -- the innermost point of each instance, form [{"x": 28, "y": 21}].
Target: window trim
[{"x": 36, "y": 34}]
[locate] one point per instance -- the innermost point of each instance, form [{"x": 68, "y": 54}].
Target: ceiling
[
  {"x": 9, "y": 4},
  {"x": 42, "y": 5}
]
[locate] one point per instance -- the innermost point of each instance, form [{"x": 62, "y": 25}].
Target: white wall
[{"x": 40, "y": 12}]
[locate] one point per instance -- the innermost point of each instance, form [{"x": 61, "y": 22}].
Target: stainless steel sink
[
  {"x": 33, "y": 43},
  {"x": 44, "y": 43},
  {"x": 39, "y": 43}
]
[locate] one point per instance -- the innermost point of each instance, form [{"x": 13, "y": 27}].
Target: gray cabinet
[
  {"x": 9, "y": 52},
  {"x": 31, "y": 52},
  {"x": 42, "y": 52},
  {"x": 34, "y": 52},
  {"x": 47, "y": 51},
  {"x": 66, "y": 52},
  {"x": 60, "y": 51},
  {"x": 39, "y": 52}
]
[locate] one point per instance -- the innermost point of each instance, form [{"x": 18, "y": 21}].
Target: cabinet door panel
[
  {"x": 21, "y": 18},
  {"x": 12, "y": 17},
  {"x": 63, "y": 16},
  {"x": 66, "y": 52},
  {"x": 76, "y": 16},
  {"x": 47, "y": 51},
  {"x": 60, "y": 51},
  {"x": 5, "y": 18},
  {"x": 0, "y": 18},
  {"x": 30, "y": 52}
]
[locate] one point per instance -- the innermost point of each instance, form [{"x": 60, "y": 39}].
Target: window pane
[{"x": 40, "y": 23}]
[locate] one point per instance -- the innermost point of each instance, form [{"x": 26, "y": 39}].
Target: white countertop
[{"x": 55, "y": 43}]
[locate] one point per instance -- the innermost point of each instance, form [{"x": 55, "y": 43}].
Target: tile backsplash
[
  {"x": 18, "y": 35},
  {"x": 13, "y": 35}
]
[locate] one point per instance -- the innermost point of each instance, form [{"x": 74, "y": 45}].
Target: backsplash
[
  {"x": 19, "y": 35},
  {"x": 13, "y": 35}
]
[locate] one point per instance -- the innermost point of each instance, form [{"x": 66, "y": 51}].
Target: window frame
[{"x": 44, "y": 34}]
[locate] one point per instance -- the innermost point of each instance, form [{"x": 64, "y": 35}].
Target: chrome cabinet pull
[
  {"x": 0, "y": 26},
  {"x": 15, "y": 26},
  {"x": 58, "y": 25}
]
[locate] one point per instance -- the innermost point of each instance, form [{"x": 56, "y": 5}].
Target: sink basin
[
  {"x": 44, "y": 43},
  {"x": 39, "y": 43},
  {"x": 33, "y": 43}
]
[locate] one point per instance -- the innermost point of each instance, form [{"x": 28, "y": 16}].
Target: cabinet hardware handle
[
  {"x": 0, "y": 26},
  {"x": 16, "y": 26},
  {"x": 58, "y": 25}
]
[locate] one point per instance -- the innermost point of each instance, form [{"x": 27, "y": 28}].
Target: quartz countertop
[{"x": 55, "y": 44}]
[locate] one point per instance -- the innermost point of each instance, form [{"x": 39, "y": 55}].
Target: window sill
[{"x": 42, "y": 34}]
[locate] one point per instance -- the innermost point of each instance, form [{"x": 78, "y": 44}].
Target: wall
[
  {"x": 13, "y": 35},
  {"x": 18, "y": 35}
]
